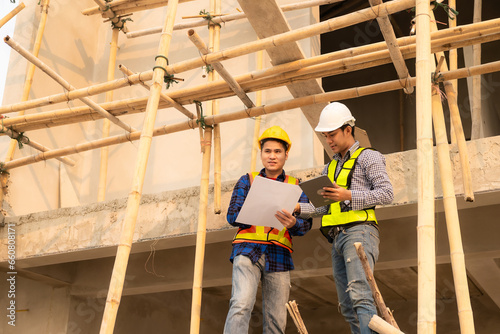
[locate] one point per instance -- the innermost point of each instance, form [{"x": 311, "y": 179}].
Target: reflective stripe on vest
[
  {"x": 263, "y": 234},
  {"x": 335, "y": 216}
]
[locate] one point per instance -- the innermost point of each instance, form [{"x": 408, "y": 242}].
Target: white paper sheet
[{"x": 264, "y": 199}]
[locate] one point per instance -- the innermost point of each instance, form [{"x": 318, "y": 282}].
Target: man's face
[
  {"x": 338, "y": 140},
  {"x": 273, "y": 156}
]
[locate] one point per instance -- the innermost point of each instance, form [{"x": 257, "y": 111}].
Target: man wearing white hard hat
[{"x": 360, "y": 183}]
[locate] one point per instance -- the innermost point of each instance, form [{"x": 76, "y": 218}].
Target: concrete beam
[{"x": 486, "y": 273}]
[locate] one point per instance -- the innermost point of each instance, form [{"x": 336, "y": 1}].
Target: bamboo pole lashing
[
  {"x": 198, "y": 16},
  {"x": 377, "y": 296},
  {"x": 379, "y": 325},
  {"x": 146, "y": 136},
  {"x": 451, "y": 213},
  {"x": 228, "y": 18},
  {"x": 392, "y": 45},
  {"x": 163, "y": 96},
  {"x": 147, "y": 75},
  {"x": 12, "y": 13},
  {"x": 293, "y": 310},
  {"x": 426, "y": 299},
  {"x": 107, "y": 12},
  {"x": 254, "y": 112},
  {"x": 129, "y": 106},
  {"x": 26, "y": 54},
  {"x": 256, "y": 130},
  {"x": 232, "y": 83},
  {"x": 103, "y": 167},
  {"x": 456, "y": 124},
  {"x": 19, "y": 139}
]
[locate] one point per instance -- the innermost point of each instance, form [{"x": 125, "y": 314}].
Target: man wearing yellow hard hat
[
  {"x": 263, "y": 253},
  {"x": 360, "y": 182}
]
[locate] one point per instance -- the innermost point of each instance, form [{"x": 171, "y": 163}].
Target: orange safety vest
[{"x": 263, "y": 234}]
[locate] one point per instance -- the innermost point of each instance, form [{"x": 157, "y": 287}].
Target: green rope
[
  {"x": 446, "y": 8},
  {"x": 169, "y": 79},
  {"x": 209, "y": 68},
  {"x": 209, "y": 18},
  {"x": 121, "y": 23},
  {"x": 20, "y": 138},
  {"x": 3, "y": 170},
  {"x": 201, "y": 120}
]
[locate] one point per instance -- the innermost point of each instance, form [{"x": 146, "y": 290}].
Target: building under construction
[{"x": 126, "y": 124}]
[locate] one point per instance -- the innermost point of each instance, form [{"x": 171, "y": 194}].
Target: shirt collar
[
  {"x": 280, "y": 177},
  {"x": 349, "y": 153}
]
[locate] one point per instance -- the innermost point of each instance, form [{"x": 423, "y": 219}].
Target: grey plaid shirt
[{"x": 370, "y": 183}]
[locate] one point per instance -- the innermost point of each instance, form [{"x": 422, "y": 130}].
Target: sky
[{"x": 5, "y": 30}]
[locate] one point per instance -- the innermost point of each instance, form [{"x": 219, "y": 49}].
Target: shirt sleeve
[
  {"x": 240, "y": 192},
  {"x": 302, "y": 225},
  {"x": 380, "y": 192}
]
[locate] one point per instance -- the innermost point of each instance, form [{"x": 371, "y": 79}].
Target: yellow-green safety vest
[
  {"x": 264, "y": 234},
  {"x": 335, "y": 216}
]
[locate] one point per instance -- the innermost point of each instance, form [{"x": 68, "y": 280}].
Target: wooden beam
[{"x": 392, "y": 45}]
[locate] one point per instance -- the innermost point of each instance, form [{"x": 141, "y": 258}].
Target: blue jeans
[
  {"x": 275, "y": 292},
  {"x": 354, "y": 293}
]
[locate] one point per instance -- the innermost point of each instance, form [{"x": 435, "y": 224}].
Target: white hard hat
[{"x": 333, "y": 116}]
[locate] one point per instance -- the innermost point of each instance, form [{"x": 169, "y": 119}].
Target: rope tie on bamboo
[
  {"x": 3, "y": 170},
  {"x": 451, "y": 12},
  {"x": 168, "y": 78},
  {"x": 152, "y": 254},
  {"x": 436, "y": 78},
  {"x": 20, "y": 137},
  {"x": 207, "y": 16},
  {"x": 120, "y": 24},
  {"x": 201, "y": 121}
]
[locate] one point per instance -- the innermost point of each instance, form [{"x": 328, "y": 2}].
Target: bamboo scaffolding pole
[
  {"x": 453, "y": 56},
  {"x": 26, "y": 54},
  {"x": 27, "y": 83},
  {"x": 447, "y": 34},
  {"x": 256, "y": 128},
  {"x": 377, "y": 296},
  {"x": 456, "y": 123},
  {"x": 392, "y": 45},
  {"x": 476, "y": 101},
  {"x": 228, "y": 18},
  {"x": 23, "y": 140},
  {"x": 426, "y": 308},
  {"x": 146, "y": 136},
  {"x": 232, "y": 83},
  {"x": 293, "y": 309},
  {"x": 134, "y": 105},
  {"x": 254, "y": 112},
  {"x": 12, "y": 13},
  {"x": 379, "y": 325},
  {"x": 30, "y": 71},
  {"x": 163, "y": 96},
  {"x": 215, "y": 46},
  {"x": 451, "y": 213},
  {"x": 115, "y": 18},
  {"x": 103, "y": 167},
  {"x": 126, "y": 7},
  {"x": 204, "y": 184}
]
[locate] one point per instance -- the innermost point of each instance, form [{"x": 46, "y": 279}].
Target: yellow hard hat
[{"x": 275, "y": 132}]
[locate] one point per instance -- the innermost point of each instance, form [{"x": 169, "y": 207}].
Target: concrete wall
[{"x": 77, "y": 47}]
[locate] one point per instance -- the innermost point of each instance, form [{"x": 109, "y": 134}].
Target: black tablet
[{"x": 314, "y": 187}]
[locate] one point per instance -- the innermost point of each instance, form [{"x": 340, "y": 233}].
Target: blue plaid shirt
[{"x": 277, "y": 258}]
